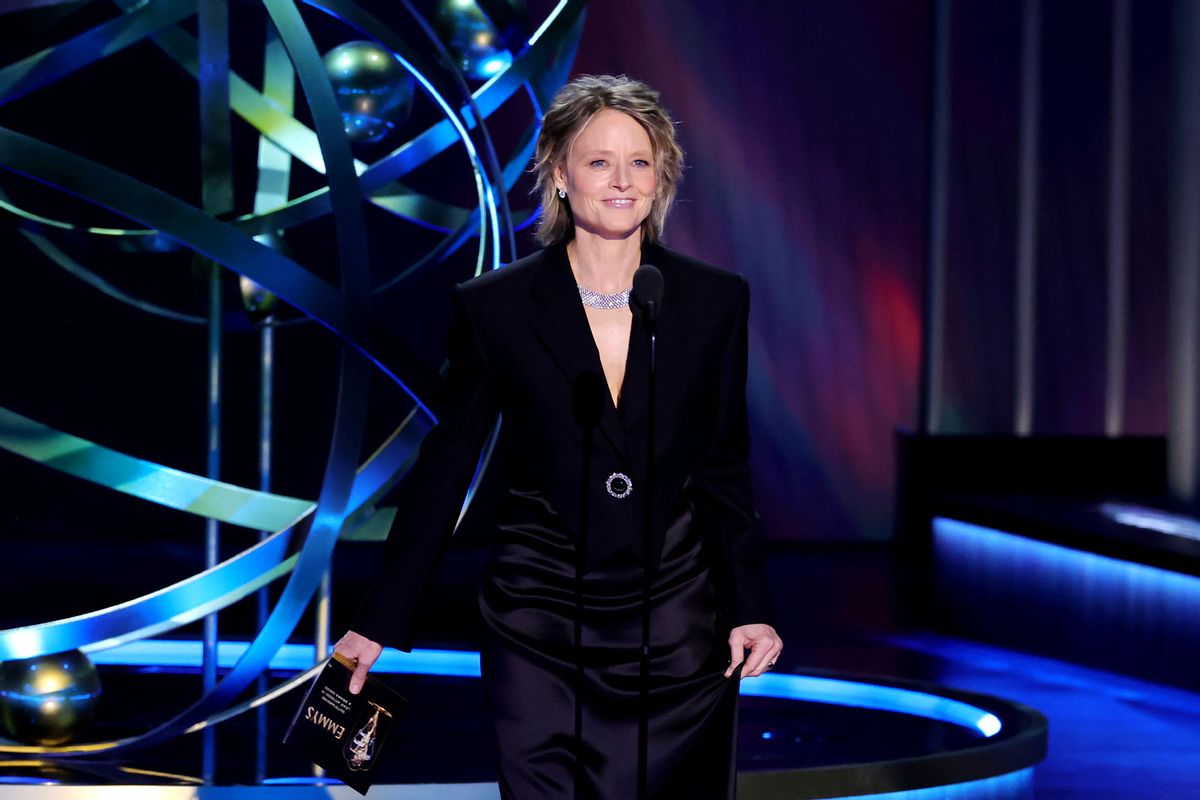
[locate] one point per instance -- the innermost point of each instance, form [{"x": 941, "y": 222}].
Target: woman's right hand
[{"x": 363, "y": 652}]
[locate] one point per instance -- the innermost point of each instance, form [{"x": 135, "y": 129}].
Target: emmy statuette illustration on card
[{"x": 343, "y": 732}]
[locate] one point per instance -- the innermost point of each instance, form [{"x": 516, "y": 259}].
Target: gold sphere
[{"x": 47, "y": 700}]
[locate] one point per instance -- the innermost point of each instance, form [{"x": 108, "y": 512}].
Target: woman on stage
[{"x": 551, "y": 344}]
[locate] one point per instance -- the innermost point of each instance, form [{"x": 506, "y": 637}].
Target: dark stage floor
[{"x": 1112, "y": 737}]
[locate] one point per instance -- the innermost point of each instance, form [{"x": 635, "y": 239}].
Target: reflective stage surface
[{"x": 812, "y": 735}]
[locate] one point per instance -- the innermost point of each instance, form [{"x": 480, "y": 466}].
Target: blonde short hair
[{"x": 573, "y": 107}]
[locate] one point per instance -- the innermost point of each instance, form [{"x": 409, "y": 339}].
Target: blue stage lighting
[
  {"x": 1152, "y": 519},
  {"x": 1002, "y": 787},
  {"x": 812, "y": 689},
  {"x": 465, "y": 664}
]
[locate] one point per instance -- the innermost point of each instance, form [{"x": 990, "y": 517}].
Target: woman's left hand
[{"x": 764, "y": 645}]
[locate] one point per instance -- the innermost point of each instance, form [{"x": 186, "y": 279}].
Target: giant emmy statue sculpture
[{"x": 461, "y": 61}]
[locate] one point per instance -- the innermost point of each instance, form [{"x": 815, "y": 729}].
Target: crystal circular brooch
[{"x": 619, "y": 485}]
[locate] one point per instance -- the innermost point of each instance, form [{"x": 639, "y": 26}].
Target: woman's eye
[
  {"x": 599, "y": 162},
  {"x": 641, "y": 162}
]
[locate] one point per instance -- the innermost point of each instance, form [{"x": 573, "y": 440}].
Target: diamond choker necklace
[{"x": 608, "y": 302}]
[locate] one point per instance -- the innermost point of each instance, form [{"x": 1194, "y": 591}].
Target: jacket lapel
[{"x": 562, "y": 327}]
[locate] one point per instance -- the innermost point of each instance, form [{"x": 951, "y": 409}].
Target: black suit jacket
[{"x": 518, "y": 345}]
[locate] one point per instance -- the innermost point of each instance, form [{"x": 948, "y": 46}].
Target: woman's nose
[{"x": 620, "y": 180}]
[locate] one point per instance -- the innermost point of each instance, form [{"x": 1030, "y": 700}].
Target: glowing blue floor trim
[
  {"x": 169, "y": 654},
  {"x": 1002, "y": 787},
  {"x": 869, "y": 695}
]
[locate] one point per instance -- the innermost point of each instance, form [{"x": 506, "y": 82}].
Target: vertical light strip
[
  {"x": 266, "y": 392},
  {"x": 1027, "y": 217},
  {"x": 933, "y": 335},
  {"x": 216, "y": 164},
  {"x": 1183, "y": 314},
  {"x": 212, "y": 532},
  {"x": 1117, "y": 320}
]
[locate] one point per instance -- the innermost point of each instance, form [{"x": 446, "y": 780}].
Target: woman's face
[{"x": 609, "y": 176}]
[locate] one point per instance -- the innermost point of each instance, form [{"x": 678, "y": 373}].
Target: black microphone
[{"x": 647, "y": 294}]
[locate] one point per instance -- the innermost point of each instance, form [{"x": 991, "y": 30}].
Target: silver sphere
[
  {"x": 374, "y": 91},
  {"x": 473, "y": 39},
  {"x": 46, "y": 700}
]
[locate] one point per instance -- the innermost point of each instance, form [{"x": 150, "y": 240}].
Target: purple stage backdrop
[
  {"x": 806, "y": 130},
  {"x": 822, "y": 213}
]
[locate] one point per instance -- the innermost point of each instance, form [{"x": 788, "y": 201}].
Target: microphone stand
[{"x": 648, "y": 561}]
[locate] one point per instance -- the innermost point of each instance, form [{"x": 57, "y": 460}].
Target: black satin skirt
[{"x": 529, "y": 667}]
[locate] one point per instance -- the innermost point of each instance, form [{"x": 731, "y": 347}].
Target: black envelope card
[{"x": 342, "y": 732}]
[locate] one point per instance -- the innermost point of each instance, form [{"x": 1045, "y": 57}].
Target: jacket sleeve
[
  {"x": 721, "y": 487},
  {"x": 431, "y": 495}
]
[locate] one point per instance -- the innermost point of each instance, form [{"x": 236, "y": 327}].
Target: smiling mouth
[{"x": 620, "y": 202}]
